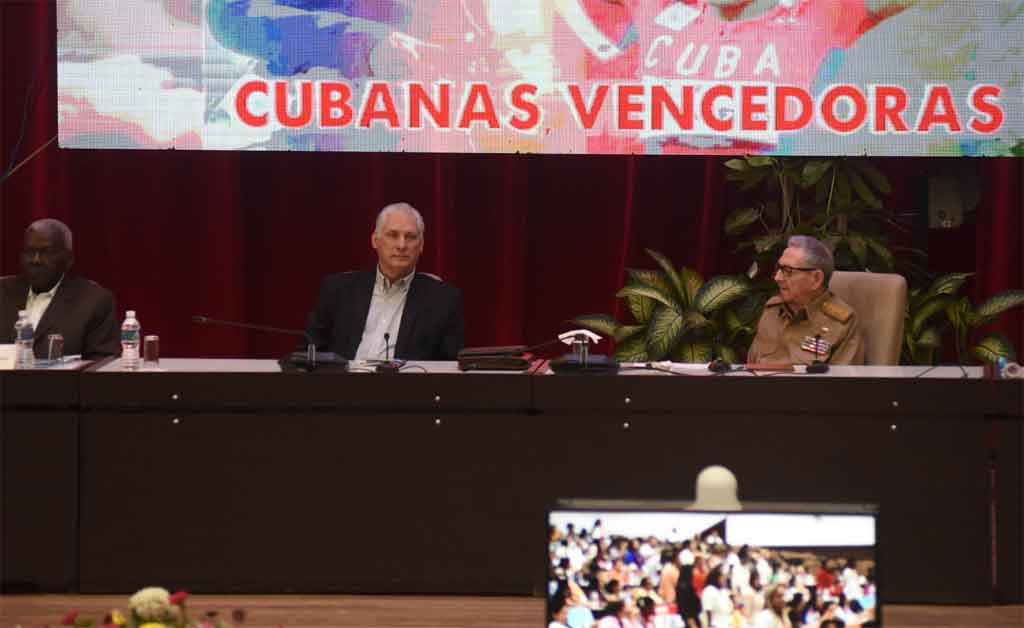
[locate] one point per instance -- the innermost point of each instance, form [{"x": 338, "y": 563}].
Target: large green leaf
[
  {"x": 759, "y": 161},
  {"x": 859, "y": 248},
  {"x": 625, "y": 332},
  {"x": 823, "y": 189},
  {"x": 930, "y": 338},
  {"x": 668, "y": 326},
  {"x": 721, "y": 291},
  {"x": 601, "y": 323},
  {"x": 652, "y": 278},
  {"x": 670, "y": 272},
  {"x": 749, "y": 312},
  {"x": 862, "y": 189},
  {"x": 641, "y": 308},
  {"x": 960, "y": 313},
  {"x": 926, "y": 311},
  {"x": 814, "y": 170},
  {"x": 993, "y": 347},
  {"x": 999, "y": 303},
  {"x": 873, "y": 175},
  {"x": 948, "y": 284},
  {"x": 731, "y": 321},
  {"x": 693, "y": 351},
  {"x": 640, "y": 290},
  {"x": 749, "y": 178},
  {"x": 881, "y": 250},
  {"x": 692, "y": 282},
  {"x": 768, "y": 242},
  {"x": 842, "y": 191},
  {"x": 740, "y": 219},
  {"x": 632, "y": 350},
  {"x": 728, "y": 354},
  {"x": 663, "y": 332}
]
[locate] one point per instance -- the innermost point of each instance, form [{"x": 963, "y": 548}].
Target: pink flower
[
  {"x": 69, "y": 619},
  {"x": 178, "y": 597}
]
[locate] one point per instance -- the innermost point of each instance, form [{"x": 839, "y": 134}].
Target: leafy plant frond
[
  {"x": 993, "y": 347},
  {"x": 603, "y": 324},
  {"x": 721, "y": 291},
  {"x": 999, "y": 303}
]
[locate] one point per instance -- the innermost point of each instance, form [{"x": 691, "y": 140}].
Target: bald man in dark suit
[{"x": 58, "y": 301}]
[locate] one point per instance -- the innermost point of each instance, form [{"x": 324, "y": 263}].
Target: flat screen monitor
[
  {"x": 666, "y": 565},
  {"x": 653, "y": 77}
]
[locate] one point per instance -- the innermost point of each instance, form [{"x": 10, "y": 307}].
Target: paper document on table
[
  {"x": 681, "y": 368},
  {"x": 689, "y": 368},
  {"x": 6, "y": 357}
]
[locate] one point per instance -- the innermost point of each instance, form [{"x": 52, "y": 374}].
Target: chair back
[{"x": 880, "y": 300}]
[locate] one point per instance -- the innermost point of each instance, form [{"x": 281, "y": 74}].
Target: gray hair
[
  {"x": 816, "y": 254},
  {"x": 399, "y": 207},
  {"x": 52, "y": 226}
]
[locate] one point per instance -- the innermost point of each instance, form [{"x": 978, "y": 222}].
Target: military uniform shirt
[{"x": 785, "y": 336}]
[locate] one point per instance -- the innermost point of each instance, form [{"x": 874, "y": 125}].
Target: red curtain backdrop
[{"x": 531, "y": 240}]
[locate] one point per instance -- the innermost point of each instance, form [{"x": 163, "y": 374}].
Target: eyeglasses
[{"x": 787, "y": 271}]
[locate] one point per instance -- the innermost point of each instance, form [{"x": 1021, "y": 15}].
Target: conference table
[{"x": 231, "y": 476}]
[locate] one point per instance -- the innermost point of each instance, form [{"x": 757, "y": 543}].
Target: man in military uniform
[{"x": 805, "y": 321}]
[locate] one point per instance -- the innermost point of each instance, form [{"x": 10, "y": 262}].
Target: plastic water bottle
[
  {"x": 24, "y": 341},
  {"x": 131, "y": 334}
]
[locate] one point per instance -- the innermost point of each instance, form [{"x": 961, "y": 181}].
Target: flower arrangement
[{"x": 154, "y": 607}]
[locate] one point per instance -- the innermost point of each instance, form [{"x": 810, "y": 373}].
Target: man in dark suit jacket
[
  {"x": 78, "y": 309},
  {"x": 391, "y": 312}
]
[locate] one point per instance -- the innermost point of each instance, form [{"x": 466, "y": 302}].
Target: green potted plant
[{"x": 678, "y": 315}]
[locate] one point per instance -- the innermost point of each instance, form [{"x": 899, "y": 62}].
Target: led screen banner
[{"x": 802, "y": 77}]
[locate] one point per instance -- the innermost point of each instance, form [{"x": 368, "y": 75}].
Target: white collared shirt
[
  {"x": 384, "y": 317},
  {"x": 36, "y": 304}
]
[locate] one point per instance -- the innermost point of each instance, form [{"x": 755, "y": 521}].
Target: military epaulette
[
  {"x": 774, "y": 301},
  {"x": 836, "y": 310}
]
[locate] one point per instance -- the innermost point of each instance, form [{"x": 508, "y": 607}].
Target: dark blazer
[
  {"x": 431, "y": 329},
  {"x": 82, "y": 311}
]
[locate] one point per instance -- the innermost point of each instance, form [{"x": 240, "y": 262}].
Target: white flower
[{"x": 151, "y": 603}]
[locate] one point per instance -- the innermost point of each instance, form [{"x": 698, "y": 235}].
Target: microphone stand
[
  {"x": 816, "y": 365},
  {"x": 310, "y": 361},
  {"x": 389, "y": 365}
]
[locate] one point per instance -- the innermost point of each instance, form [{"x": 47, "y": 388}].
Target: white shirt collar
[
  {"x": 49, "y": 293},
  {"x": 402, "y": 283}
]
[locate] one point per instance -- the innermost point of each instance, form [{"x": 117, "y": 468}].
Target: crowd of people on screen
[{"x": 598, "y": 580}]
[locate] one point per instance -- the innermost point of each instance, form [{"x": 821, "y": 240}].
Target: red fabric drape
[{"x": 531, "y": 240}]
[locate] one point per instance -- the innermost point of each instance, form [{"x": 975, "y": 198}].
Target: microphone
[
  {"x": 389, "y": 365},
  {"x": 206, "y": 320},
  {"x": 719, "y": 365},
  {"x": 816, "y": 365},
  {"x": 307, "y": 360}
]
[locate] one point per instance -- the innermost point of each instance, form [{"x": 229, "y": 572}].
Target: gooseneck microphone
[
  {"x": 389, "y": 365},
  {"x": 816, "y": 365},
  {"x": 305, "y": 360},
  {"x": 719, "y": 365},
  {"x": 206, "y": 320}
]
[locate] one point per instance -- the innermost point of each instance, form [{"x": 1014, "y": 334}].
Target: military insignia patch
[{"x": 817, "y": 346}]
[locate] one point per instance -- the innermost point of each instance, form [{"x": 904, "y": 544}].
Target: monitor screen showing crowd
[{"x": 665, "y": 569}]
